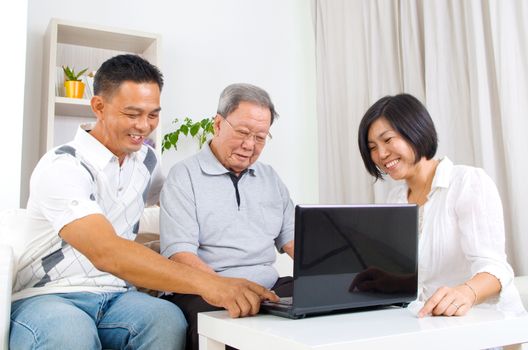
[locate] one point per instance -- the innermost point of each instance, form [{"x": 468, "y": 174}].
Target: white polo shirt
[{"x": 72, "y": 181}]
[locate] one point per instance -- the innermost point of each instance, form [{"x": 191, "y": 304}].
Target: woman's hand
[{"x": 449, "y": 301}]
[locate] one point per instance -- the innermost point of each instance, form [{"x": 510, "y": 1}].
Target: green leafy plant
[
  {"x": 71, "y": 75},
  {"x": 200, "y": 130}
]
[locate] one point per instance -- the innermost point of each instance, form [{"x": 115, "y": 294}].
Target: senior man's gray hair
[{"x": 232, "y": 95}]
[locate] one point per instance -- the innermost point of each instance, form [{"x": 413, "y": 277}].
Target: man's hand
[{"x": 239, "y": 297}]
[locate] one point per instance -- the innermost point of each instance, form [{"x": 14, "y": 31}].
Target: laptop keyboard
[{"x": 285, "y": 301}]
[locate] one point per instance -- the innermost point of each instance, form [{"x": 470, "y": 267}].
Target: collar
[
  {"x": 211, "y": 165},
  {"x": 91, "y": 149},
  {"x": 442, "y": 176},
  {"x": 441, "y": 179}
]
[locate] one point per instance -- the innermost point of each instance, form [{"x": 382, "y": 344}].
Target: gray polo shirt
[{"x": 200, "y": 213}]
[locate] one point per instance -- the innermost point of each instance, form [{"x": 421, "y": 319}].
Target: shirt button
[
  {"x": 120, "y": 189},
  {"x": 74, "y": 202}
]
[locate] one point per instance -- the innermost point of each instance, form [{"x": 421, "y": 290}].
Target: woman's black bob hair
[{"x": 409, "y": 117}]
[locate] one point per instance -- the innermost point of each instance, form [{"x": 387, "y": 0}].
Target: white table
[{"x": 393, "y": 328}]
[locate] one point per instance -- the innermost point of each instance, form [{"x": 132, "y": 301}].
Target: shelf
[
  {"x": 82, "y": 45},
  {"x": 75, "y": 107},
  {"x": 104, "y": 37}
]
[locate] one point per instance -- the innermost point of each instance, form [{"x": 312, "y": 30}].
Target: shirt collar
[
  {"x": 211, "y": 165},
  {"x": 91, "y": 149},
  {"x": 441, "y": 179},
  {"x": 442, "y": 176}
]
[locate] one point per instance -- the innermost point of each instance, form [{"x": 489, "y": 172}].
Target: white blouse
[{"x": 462, "y": 233}]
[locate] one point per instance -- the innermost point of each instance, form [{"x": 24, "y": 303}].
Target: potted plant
[
  {"x": 201, "y": 130},
  {"x": 73, "y": 85}
]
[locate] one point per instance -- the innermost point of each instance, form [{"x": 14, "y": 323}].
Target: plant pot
[{"x": 74, "y": 88}]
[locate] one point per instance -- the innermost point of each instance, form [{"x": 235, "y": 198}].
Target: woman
[{"x": 462, "y": 259}]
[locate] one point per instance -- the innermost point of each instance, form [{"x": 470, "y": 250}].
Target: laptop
[{"x": 351, "y": 257}]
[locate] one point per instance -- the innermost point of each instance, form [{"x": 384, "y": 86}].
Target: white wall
[
  {"x": 13, "y": 28},
  {"x": 207, "y": 45}
]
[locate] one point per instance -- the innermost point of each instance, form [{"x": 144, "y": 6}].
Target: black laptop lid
[{"x": 354, "y": 256}]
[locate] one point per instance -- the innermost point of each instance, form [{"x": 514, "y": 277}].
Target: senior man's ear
[{"x": 216, "y": 124}]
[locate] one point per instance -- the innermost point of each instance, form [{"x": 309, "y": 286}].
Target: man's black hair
[{"x": 118, "y": 69}]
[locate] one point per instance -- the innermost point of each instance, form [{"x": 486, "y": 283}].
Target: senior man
[
  {"x": 222, "y": 211},
  {"x": 86, "y": 198}
]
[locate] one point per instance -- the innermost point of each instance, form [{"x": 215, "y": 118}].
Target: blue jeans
[{"x": 130, "y": 320}]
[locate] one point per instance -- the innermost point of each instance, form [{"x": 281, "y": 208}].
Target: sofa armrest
[
  {"x": 148, "y": 234},
  {"x": 6, "y": 281},
  {"x": 521, "y": 282}
]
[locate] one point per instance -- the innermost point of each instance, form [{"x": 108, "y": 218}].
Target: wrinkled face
[
  {"x": 241, "y": 136},
  {"x": 390, "y": 151},
  {"x": 125, "y": 119}
]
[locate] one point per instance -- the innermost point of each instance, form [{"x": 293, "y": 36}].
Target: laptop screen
[{"x": 355, "y": 255}]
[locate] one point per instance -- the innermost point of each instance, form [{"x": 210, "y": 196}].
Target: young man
[{"x": 86, "y": 198}]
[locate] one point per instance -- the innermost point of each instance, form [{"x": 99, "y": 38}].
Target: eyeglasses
[{"x": 244, "y": 134}]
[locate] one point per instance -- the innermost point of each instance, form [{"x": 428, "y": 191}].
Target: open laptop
[{"x": 351, "y": 256}]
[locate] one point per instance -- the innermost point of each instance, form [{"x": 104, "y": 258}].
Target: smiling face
[
  {"x": 235, "y": 152},
  {"x": 127, "y": 117},
  {"x": 390, "y": 152}
]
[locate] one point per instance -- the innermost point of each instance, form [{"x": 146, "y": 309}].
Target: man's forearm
[
  {"x": 95, "y": 238},
  {"x": 289, "y": 248},
  {"x": 145, "y": 268},
  {"x": 192, "y": 260}
]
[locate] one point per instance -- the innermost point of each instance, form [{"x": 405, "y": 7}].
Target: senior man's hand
[{"x": 239, "y": 297}]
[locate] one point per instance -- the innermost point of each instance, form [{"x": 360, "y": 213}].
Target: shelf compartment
[{"x": 75, "y": 107}]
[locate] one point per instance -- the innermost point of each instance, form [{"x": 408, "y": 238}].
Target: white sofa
[
  {"x": 12, "y": 240},
  {"x": 6, "y": 276}
]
